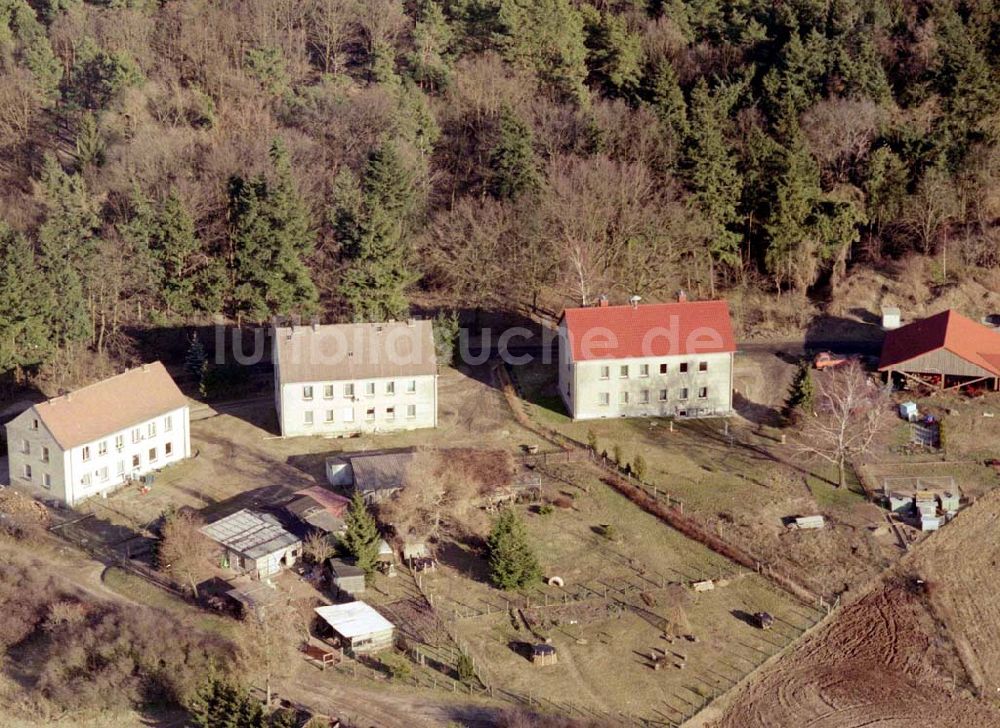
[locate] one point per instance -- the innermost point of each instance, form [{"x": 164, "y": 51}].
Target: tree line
[{"x": 162, "y": 163}]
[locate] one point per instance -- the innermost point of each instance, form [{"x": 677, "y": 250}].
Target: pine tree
[
  {"x": 667, "y": 99},
  {"x": 432, "y": 36},
  {"x": 361, "y": 537},
  {"x": 712, "y": 173},
  {"x": 224, "y": 704},
  {"x": 68, "y": 249},
  {"x": 371, "y": 222},
  {"x": 196, "y": 362},
  {"x": 89, "y": 142},
  {"x": 512, "y": 161},
  {"x": 25, "y": 334},
  {"x": 446, "y": 331},
  {"x": 512, "y": 562},
  {"x": 615, "y": 55},
  {"x": 173, "y": 245},
  {"x": 546, "y": 35},
  {"x": 270, "y": 236},
  {"x": 802, "y": 394}
]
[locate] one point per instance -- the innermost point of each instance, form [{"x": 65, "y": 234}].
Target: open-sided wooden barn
[{"x": 946, "y": 351}]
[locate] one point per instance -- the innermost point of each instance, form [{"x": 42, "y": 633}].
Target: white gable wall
[{"x": 101, "y": 462}]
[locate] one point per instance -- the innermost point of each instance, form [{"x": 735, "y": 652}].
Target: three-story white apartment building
[
  {"x": 654, "y": 360},
  {"x": 341, "y": 379},
  {"x": 93, "y": 440}
]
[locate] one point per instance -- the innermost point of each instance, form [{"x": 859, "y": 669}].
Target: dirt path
[{"x": 381, "y": 707}]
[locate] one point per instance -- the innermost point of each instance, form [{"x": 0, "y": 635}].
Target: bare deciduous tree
[
  {"x": 184, "y": 550},
  {"x": 317, "y": 547},
  {"x": 851, "y": 412}
]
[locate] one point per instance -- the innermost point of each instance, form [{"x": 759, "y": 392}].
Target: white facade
[
  {"x": 683, "y": 385},
  {"x": 99, "y": 465},
  {"x": 343, "y": 379},
  {"x": 364, "y": 405}
]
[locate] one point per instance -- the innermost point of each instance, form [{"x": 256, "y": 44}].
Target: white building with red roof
[{"x": 653, "y": 360}]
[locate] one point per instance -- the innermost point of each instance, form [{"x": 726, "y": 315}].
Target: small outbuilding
[
  {"x": 891, "y": 318},
  {"x": 543, "y": 654},
  {"x": 900, "y": 502},
  {"x": 254, "y": 543},
  {"x": 358, "y": 628},
  {"x": 320, "y": 508},
  {"x": 346, "y": 577},
  {"x": 950, "y": 502},
  {"x": 909, "y": 412},
  {"x": 338, "y": 472},
  {"x": 930, "y": 523}
]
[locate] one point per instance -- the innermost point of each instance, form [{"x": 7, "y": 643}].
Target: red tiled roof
[
  {"x": 651, "y": 330},
  {"x": 949, "y": 330},
  {"x": 330, "y": 501}
]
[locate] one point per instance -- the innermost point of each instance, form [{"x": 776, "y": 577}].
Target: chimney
[
  {"x": 634, "y": 301},
  {"x": 682, "y": 297},
  {"x": 602, "y": 301},
  {"x": 315, "y": 323},
  {"x": 145, "y": 367}
]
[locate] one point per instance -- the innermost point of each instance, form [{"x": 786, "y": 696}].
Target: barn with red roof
[
  {"x": 946, "y": 350},
  {"x": 654, "y": 360}
]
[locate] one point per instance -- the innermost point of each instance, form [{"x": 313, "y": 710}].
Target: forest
[{"x": 167, "y": 163}]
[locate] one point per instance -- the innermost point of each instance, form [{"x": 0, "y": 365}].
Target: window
[
  {"x": 85, "y": 480},
  {"x": 136, "y": 435},
  {"x": 168, "y": 449},
  {"x": 86, "y": 453},
  {"x": 684, "y": 367},
  {"x": 307, "y": 392},
  {"x": 370, "y": 389},
  {"x": 307, "y": 417},
  {"x": 663, "y": 368},
  {"x": 663, "y": 395},
  {"x": 390, "y": 387},
  {"x": 327, "y": 391},
  {"x": 604, "y": 399},
  {"x": 329, "y": 416},
  {"x": 120, "y": 468},
  {"x": 644, "y": 397},
  {"x": 684, "y": 393},
  {"x": 624, "y": 371},
  {"x": 703, "y": 366},
  {"x": 151, "y": 429},
  {"x": 411, "y": 386},
  {"x": 26, "y": 471},
  {"x": 411, "y": 411},
  {"x": 119, "y": 442},
  {"x": 370, "y": 413},
  {"x": 46, "y": 480},
  {"x": 390, "y": 413},
  {"x": 702, "y": 392},
  {"x": 152, "y": 454},
  {"x": 623, "y": 397},
  {"x": 34, "y": 424},
  {"x": 644, "y": 370},
  {"x": 103, "y": 473},
  {"x": 135, "y": 460},
  {"x": 348, "y": 414},
  {"x": 605, "y": 372},
  {"x": 45, "y": 454},
  {"x": 168, "y": 423},
  {"x": 25, "y": 447},
  {"x": 349, "y": 390},
  {"x": 102, "y": 447}
]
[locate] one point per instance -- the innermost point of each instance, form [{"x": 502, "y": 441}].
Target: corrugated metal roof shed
[
  {"x": 382, "y": 471},
  {"x": 353, "y": 619},
  {"x": 252, "y": 534}
]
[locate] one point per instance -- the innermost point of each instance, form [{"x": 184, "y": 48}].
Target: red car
[{"x": 826, "y": 360}]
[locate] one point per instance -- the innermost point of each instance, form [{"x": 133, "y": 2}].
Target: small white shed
[
  {"x": 361, "y": 630},
  {"x": 891, "y": 318}
]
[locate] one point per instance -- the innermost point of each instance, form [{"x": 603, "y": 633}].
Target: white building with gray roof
[
  {"x": 343, "y": 379},
  {"x": 255, "y": 543}
]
